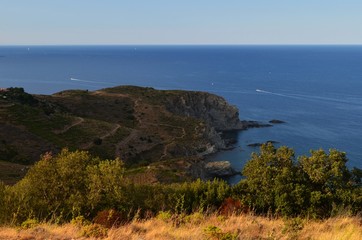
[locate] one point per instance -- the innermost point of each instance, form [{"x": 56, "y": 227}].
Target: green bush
[
  {"x": 317, "y": 185},
  {"x": 164, "y": 216},
  {"x": 29, "y": 223},
  {"x": 68, "y": 185},
  {"x": 94, "y": 231},
  {"x": 213, "y": 232},
  {"x": 19, "y": 95}
]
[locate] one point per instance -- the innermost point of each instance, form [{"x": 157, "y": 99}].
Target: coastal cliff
[
  {"x": 213, "y": 109},
  {"x": 142, "y": 126}
]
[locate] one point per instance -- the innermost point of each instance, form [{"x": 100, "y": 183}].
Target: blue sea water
[{"x": 315, "y": 89}]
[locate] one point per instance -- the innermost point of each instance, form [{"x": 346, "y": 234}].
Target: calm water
[{"x": 315, "y": 89}]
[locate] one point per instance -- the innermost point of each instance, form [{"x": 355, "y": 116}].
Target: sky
[{"x": 94, "y": 22}]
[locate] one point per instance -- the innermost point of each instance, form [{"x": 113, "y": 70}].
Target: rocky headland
[{"x": 163, "y": 134}]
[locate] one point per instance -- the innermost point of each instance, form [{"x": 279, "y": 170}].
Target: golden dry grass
[
  {"x": 42, "y": 231},
  {"x": 199, "y": 227}
]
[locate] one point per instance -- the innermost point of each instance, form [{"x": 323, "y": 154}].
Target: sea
[{"x": 316, "y": 90}]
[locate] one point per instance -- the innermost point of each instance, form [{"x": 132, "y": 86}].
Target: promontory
[{"x": 159, "y": 134}]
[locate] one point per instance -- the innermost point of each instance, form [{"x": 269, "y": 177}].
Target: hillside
[{"x": 152, "y": 131}]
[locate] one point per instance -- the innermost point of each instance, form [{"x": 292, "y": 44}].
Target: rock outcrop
[
  {"x": 211, "y": 170},
  {"x": 214, "y": 110},
  {"x": 219, "y": 169},
  {"x": 276, "y": 121}
]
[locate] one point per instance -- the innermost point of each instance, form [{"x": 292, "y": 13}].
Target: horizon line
[{"x": 185, "y": 44}]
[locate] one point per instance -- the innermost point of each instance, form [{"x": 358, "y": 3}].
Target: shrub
[
  {"x": 213, "y": 232},
  {"x": 316, "y": 186},
  {"x": 230, "y": 206},
  {"x": 94, "y": 231},
  {"x": 195, "y": 218},
  {"x": 97, "y": 141},
  {"x": 79, "y": 221},
  {"x": 164, "y": 216},
  {"x": 29, "y": 223},
  {"x": 266, "y": 176},
  {"x": 68, "y": 185},
  {"x": 109, "y": 218}
]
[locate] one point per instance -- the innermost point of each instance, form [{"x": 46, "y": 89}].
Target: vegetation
[
  {"x": 69, "y": 185},
  {"x": 316, "y": 186},
  {"x": 245, "y": 226},
  {"x": 93, "y": 194},
  {"x": 19, "y": 95}
]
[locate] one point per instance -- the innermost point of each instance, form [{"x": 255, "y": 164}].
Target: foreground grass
[{"x": 197, "y": 226}]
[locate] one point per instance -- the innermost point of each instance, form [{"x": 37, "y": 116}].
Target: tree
[
  {"x": 105, "y": 185},
  {"x": 270, "y": 180},
  {"x": 67, "y": 185},
  {"x": 329, "y": 181},
  {"x": 318, "y": 185}
]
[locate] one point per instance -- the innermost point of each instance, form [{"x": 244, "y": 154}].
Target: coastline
[
  {"x": 223, "y": 168},
  {"x": 142, "y": 126}
]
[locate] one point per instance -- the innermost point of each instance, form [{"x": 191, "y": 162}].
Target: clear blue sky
[{"x": 180, "y": 22}]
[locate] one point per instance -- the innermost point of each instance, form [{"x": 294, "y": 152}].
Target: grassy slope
[
  {"x": 131, "y": 122},
  {"x": 200, "y": 227}
]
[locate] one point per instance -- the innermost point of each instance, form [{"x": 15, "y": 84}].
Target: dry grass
[
  {"x": 334, "y": 229},
  {"x": 42, "y": 231},
  {"x": 199, "y": 227}
]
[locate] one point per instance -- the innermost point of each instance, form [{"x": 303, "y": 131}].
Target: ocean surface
[{"x": 316, "y": 90}]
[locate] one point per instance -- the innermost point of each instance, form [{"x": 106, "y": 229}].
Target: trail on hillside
[
  {"x": 80, "y": 120},
  {"x": 139, "y": 108},
  {"x": 172, "y": 141},
  {"x": 119, "y": 146},
  {"x": 112, "y": 132},
  {"x": 165, "y": 149},
  {"x": 108, "y": 134}
]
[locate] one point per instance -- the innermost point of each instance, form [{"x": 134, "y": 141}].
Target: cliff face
[{"x": 214, "y": 110}]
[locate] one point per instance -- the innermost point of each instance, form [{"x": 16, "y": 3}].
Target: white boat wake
[
  {"x": 80, "y": 80},
  {"x": 262, "y": 91},
  {"x": 267, "y": 92},
  {"x": 87, "y": 81},
  {"x": 311, "y": 97}
]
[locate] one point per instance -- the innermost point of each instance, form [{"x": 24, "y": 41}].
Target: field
[{"x": 198, "y": 226}]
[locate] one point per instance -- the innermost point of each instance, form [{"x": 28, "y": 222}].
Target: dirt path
[
  {"x": 80, "y": 120},
  {"x": 112, "y": 132},
  {"x": 134, "y": 133},
  {"x": 108, "y": 134},
  {"x": 165, "y": 149}
]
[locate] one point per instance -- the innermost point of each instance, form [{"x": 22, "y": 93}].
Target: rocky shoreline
[{"x": 208, "y": 170}]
